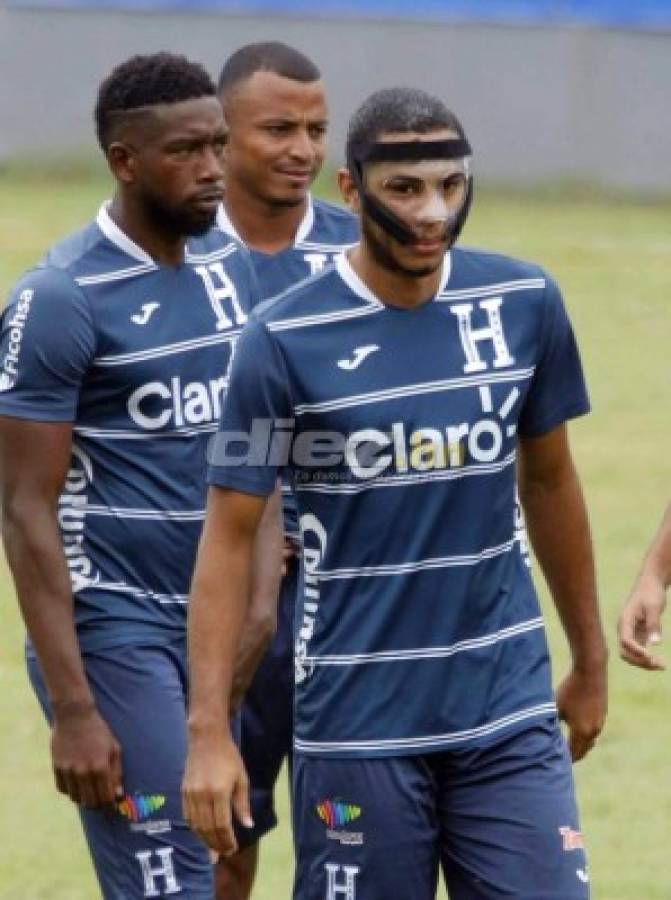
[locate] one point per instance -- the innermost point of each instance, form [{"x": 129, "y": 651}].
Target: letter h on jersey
[{"x": 471, "y": 337}]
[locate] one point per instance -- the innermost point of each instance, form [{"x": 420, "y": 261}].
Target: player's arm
[
  {"x": 215, "y": 778},
  {"x": 559, "y": 530},
  {"x": 261, "y": 619},
  {"x": 34, "y": 460},
  {"x": 640, "y": 622}
]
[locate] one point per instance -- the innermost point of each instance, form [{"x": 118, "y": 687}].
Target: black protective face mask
[{"x": 404, "y": 151}]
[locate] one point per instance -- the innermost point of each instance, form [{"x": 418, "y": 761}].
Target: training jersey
[
  {"x": 418, "y": 627},
  {"x": 135, "y": 355},
  {"x": 324, "y": 232}
]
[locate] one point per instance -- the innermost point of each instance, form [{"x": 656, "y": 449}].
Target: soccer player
[
  {"x": 640, "y": 623},
  {"x": 275, "y": 109},
  {"x": 113, "y": 357},
  {"x": 408, "y": 390}
]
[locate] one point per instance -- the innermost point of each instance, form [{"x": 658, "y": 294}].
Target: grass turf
[{"x": 610, "y": 256}]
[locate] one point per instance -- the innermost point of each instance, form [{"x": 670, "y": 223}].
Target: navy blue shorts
[
  {"x": 501, "y": 822},
  {"x": 146, "y": 848},
  {"x": 267, "y": 716}
]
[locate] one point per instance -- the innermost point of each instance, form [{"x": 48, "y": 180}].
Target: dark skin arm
[
  {"x": 34, "y": 461},
  {"x": 215, "y": 782},
  {"x": 640, "y": 623},
  {"x": 261, "y": 620},
  {"x": 559, "y": 530}
]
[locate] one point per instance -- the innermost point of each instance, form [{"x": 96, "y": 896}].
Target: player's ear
[
  {"x": 122, "y": 161},
  {"x": 348, "y": 190}
]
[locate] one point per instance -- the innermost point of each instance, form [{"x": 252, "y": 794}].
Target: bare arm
[
  {"x": 640, "y": 622},
  {"x": 34, "y": 460},
  {"x": 215, "y": 779},
  {"x": 559, "y": 530},
  {"x": 261, "y": 619}
]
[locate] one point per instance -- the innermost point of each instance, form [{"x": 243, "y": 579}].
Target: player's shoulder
[
  {"x": 77, "y": 254},
  {"x": 332, "y": 224},
  {"x": 317, "y": 299},
  {"x": 474, "y": 268},
  {"x": 213, "y": 246}
]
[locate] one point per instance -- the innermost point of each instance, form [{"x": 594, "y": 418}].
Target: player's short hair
[
  {"x": 266, "y": 56},
  {"x": 399, "y": 109},
  {"x": 147, "y": 81}
]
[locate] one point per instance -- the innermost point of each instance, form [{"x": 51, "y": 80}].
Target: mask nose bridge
[{"x": 435, "y": 207}]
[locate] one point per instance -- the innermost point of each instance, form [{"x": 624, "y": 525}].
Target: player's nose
[
  {"x": 434, "y": 209},
  {"x": 302, "y": 146},
  {"x": 210, "y": 165}
]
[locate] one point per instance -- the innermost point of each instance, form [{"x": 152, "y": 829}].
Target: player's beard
[
  {"x": 386, "y": 259},
  {"x": 179, "y": 221}
]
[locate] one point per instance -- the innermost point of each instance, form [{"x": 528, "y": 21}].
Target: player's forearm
[
  {"x": 35, "y": 555},
  {"x": 657, "y": 562},
  {"x": 560, "y": 535},
  {"x": 218, "y": 606}
]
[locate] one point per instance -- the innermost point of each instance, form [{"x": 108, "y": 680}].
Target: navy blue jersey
[
  {"x": 324, "y": 232},
  {"x": 135, "y": 355},
  {"x": 419, "y": 627}
]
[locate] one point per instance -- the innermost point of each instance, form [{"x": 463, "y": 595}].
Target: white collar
[
  {"x": 113, "y": 233},
  {"x": 355, "y": 284},
  {"x": 224, "y": 223}
]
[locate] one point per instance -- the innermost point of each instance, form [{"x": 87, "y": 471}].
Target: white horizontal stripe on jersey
[
  {"x": 407, "y": 479},
  {"x": 209, "y": 340},
  {"x": 421, "y": 565},
  {"x": 427, "y": 741},
  {"x": 419, "y": 653},
  {"x": 213, "y": 256},
  {"x": 117, "y": 275},
  {"x": 160, "y": 515},
  {"x": 120, "y": 587},
  {"x": 414, "y": 390},
  {"x": 503, "y": 287},
  {"x": 119, "y": 434},
  {"x": 315, "y": 247},
  {"x": 324, "y": 318}
]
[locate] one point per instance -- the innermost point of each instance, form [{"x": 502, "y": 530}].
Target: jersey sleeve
[
  {"x": 47, "y": 340},
  {"x": 247, "y": 452},
  {"x": 558, "y": 391}
]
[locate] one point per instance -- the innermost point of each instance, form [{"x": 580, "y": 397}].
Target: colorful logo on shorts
[
  {"x": 335, "y": 813},
  {"x": 139, "y": 807},
  {"x": 573, "y": 840}
]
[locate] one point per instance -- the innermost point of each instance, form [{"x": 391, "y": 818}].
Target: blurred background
[
  {"x": 566, "y": 104},
  {"x": 546, "y": 88}
]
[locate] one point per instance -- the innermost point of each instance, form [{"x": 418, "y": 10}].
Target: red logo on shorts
[{"x": 573, "y": 840}]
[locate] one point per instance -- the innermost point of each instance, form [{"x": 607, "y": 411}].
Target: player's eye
[
  {"x": 454, "y": 185},
  {"x": 403, "y": 188},
  {"x": 317, "y": 132},
  {"x": 278, "y": 129}
]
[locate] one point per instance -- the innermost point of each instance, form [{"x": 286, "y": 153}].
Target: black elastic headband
[{"x": 404, "y": 151}]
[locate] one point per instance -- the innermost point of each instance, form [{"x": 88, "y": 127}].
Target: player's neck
[
  {"x": 163, "y": 247},
  {"x": 263, "y": 226},
  {"x": 391, "y": 287}
]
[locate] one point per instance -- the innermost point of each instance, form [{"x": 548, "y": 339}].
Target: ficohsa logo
[
  {"x": 311, "y": 528},
  {"x": 15, "y": 326}
]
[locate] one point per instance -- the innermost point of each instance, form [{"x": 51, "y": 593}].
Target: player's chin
[{"x": 198, "y": 220}]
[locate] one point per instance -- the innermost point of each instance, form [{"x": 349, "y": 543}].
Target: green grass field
[{"x": 611, "y": 257}]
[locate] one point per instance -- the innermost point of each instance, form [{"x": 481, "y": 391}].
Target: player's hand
[
  {"x": 582, "y": 702},
  {"x": 86, "y": 757},
  {"x": 640, "y": 624},
  {"x": 215, "y": 787}
]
